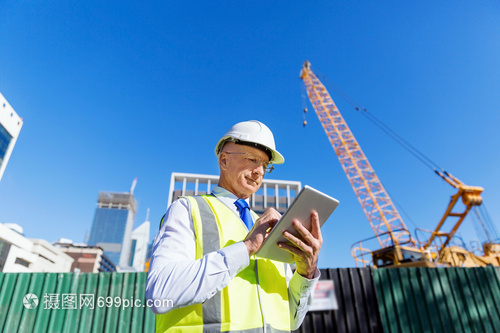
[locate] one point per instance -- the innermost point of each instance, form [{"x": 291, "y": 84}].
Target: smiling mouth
[{"x": 250, "y": 180}]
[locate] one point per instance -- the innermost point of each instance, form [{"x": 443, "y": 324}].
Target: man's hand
[
  {"x": 261, "y": 230},
  {"x": 305, "y": 250}
]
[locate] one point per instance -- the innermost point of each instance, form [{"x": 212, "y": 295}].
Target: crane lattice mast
[{"x": 383, "y": 216}]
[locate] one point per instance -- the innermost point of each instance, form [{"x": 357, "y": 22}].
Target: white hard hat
[{"x": 252, "y": 133}]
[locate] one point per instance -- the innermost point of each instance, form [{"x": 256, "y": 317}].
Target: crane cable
[
  {"x": 304, "y": 103},
  {"x": 482, "y": 218},
  {"x": 481, "y": 212},
  {"x": 386, "y": 129},
  {"x": 401, "y": 208},
  {"x": 489, "y": 223},
  {"x": 478, "y": 221},
  {"x": 379, "y": 124}
]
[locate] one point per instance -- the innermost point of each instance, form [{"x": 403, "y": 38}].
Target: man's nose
[{"x": 259, "y": 169}]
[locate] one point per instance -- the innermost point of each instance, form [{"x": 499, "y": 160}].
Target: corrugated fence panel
[
  {"x": 382, "y": 300},
  {"x": 126, "y": 312},
  {"x": 439, "y": 299},
  {"x": 87, "y": 313},
  {"x": 69, "y": 302},
  {"x": 27, "y": 322},
  {"x": 357, "y": 301}
]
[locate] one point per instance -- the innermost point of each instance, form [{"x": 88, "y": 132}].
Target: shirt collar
[
  {"x": 226, "y": 197},
  {"x": 221, "y": 192}
]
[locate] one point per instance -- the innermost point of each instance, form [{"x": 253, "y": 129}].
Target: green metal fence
[
  {"x": 398, "y": 300},
  {"x": 71, "y": 302},
  {"x": 439, "y": 299}
]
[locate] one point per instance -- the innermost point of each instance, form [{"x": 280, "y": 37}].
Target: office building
[
  {"x": 139, "y": 248},
  {"x": 19, "y": 254},
  {"x": 87, "y": 259},
  {"x": 112, "y": 226},
  {"x": 10, "y": 126},
  {"x": 273, "y": 193}
]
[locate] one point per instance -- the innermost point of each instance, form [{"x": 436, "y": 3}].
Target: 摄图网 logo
[{"x": 30, "y": 301}]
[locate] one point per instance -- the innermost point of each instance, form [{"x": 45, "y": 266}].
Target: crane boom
[
  {"x": 383, "y": 216},
  {"x": 470, "y": 195},
  {"x": 398, "y": 248}
]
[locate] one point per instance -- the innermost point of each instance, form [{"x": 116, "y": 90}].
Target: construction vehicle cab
[{"x": 400, "y": 256}]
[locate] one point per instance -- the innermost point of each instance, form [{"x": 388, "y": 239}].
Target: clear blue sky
[{"x": 113, "y": 90}]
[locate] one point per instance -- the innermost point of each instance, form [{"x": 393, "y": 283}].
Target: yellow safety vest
[{"x": 257, "y": 297}]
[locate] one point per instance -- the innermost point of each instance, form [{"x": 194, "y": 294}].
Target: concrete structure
[
  {"x": 139, "y": 248},
  {"x": 273, "y": 193},
  {"x": 87, "y": 259},
  {"x": 20, "y": 254},
  {"x": 112, "y": 226},
  {"x": 10, "y": 126}
]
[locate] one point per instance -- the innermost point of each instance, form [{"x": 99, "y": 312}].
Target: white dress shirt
[{"x": 175, "y": 275}]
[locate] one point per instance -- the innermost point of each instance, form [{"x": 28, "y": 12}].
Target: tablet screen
[{"x": 308, "y": 200}]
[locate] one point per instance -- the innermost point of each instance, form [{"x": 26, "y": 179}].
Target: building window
[
  {"x": 132, "y": 252},
  {"x": 5, "y": 139},
  {"x": 45, "y": 258},
  {"x": 22, "y": 262}
]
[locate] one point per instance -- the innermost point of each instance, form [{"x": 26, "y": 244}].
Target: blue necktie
[{"x": 244, "y": 212}]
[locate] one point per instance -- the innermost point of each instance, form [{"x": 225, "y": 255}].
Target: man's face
[{"x": 239, "y": 172}]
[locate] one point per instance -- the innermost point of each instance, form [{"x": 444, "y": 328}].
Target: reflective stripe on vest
[{"x": 237, "y": 307}]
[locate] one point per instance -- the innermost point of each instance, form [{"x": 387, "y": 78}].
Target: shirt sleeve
[
  {"x": 175, "y": 275},
  {"x": 299, "y": 292}
]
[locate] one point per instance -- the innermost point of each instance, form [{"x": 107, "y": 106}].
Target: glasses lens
[
  {"x": 256, "y": 161},
  {"x": 269, "y": 168},
  {"x": 253, "y": 159}
]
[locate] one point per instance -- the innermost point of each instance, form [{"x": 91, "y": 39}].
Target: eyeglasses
[{"x": 255, "y": 161}]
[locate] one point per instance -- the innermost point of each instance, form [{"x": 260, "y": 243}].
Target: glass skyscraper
[
  {"x": 112, "y": 226},
  {"x": 10, "y": 126}
]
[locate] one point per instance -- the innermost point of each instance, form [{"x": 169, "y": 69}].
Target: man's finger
[
  {"x": 306, "y": 234},
  {"x": 316, "y": 228},
  {"x": 290, "y": 248},
  {"x": 296, "y": 241}
]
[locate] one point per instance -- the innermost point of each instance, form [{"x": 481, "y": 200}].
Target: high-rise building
[
  {"x": 112, "y": 226},
  {"x": 10, "y": 126},
  {"x": 139, "y": 248}
]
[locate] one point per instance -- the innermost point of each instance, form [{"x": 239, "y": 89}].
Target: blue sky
[{"x": 114, "y": 90}]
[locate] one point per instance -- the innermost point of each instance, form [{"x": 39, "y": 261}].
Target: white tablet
[{"x": 308, "y": 200}]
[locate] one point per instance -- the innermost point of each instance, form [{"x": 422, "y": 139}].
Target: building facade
[
  {"x": 139, "y": 248},
  {"x": 19, "y": 254},
  {"x": 273, "y": 193},
  {"x": 87, "y": 259},
  {"x": 10, "y": 127},
  {"x": 112, "y": 226}
]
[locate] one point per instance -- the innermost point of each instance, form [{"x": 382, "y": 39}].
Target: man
[{"x": 204, "y": 255}]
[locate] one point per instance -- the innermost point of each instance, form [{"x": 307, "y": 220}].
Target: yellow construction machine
[{"x": 397, "y": 246}]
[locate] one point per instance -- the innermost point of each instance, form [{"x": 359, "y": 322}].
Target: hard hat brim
[{"x": 277, "y": 158}]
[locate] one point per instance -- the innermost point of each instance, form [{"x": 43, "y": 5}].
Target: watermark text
[{"x": 73, "y": 301}]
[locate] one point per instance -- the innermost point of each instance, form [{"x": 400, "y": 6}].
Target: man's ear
[{"x": 223, "y": 161}]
